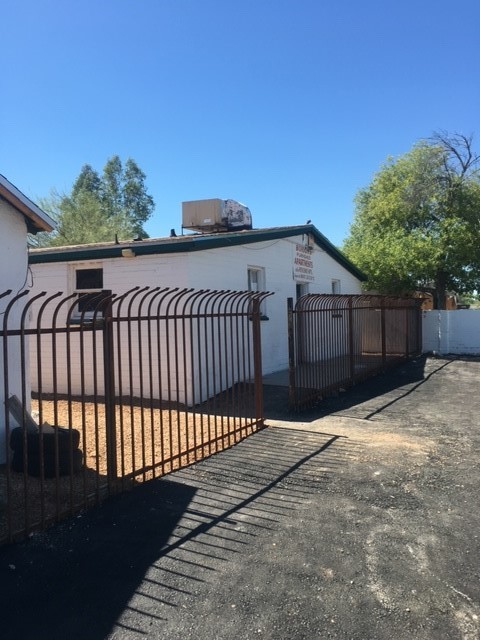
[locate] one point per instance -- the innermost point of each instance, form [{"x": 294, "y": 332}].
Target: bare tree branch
[{"x": 458, "y": 150}]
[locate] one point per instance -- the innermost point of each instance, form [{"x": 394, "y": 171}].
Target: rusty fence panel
[
  {"x": 122, "y": 389},
  {"x": 336, "y": 341}
]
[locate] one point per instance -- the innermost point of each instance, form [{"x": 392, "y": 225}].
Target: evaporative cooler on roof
[{"x": 215, "y": 215}]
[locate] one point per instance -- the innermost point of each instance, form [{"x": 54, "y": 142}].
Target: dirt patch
[
  {"x": 398, "y": 448},
  {"x": 150, "y": 442},
  {"x": 147, "y": 439},
  {"x": 371, "y": 442},
  {"x": 385, "y": 440}
]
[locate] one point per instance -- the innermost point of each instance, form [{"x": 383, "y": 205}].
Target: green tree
[
  {"x": 136, "y": 200},
  {"x": 417, "y": 225},
  {"x": 88, "y": 180},
  {"x": 111, "y": 187},
  {"x": 83, "y": 221},
  {"x": 99, "y": 208},
  {"x": 123, "y": 192}
]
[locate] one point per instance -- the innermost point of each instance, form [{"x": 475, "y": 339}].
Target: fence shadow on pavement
[
  {"x": 408, "y": 373},
  {"x": 133, "y": 564},
  {"x": 75, "y": 580}
]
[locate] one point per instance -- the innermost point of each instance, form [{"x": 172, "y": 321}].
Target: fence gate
[
  {"x": 121, "y": 389},
  {"x": 338, "y": 340}
]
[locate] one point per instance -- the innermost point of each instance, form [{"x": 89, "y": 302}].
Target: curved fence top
[
  {"x": 335, "y": 302},
  {"x": 23, "y": 311}
]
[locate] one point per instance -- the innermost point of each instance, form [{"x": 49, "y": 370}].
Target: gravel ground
[
  {"x": 151, "y": 442},
  {"x": 358, "y": 520}
]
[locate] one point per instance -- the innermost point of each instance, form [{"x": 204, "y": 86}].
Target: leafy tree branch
[{"x": 417, "y": 225}]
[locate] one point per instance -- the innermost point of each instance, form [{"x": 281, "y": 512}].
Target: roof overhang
[
  {"x": 190, "y": 243},
  {"x": 37, "y": 220}
]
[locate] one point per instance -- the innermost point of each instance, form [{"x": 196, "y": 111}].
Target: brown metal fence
[
  {"x": 338, "y": 340},
  {"x": 122, "y": 389}
]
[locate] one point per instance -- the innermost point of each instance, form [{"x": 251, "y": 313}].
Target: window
[
  {"x": 301, "y": 289},
  {"x": 88, "y": 283},
  {"x": 256, "y": 282},
  {"x": 256, "y": 279},
  {"x": 335, "y": 286},
  {"x": 89, "y": 278}
]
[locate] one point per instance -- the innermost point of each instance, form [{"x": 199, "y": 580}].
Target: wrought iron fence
[
  {"x": 338, "y": 340},
  {"x": 103, "y": 392}
]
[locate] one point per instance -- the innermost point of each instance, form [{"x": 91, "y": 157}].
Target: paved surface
[{"x": 360, "y": 522}]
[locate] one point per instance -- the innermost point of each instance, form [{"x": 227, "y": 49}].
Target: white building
[
  {"x": 288, "y": 261},
  {"x": 18, "y": 215}
]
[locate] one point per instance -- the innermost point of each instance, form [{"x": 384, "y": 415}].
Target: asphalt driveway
[{"x": 360, "y": 521}]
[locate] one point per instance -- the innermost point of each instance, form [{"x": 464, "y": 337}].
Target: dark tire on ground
[
  {"x": 67, "y": 464},
  {"x": 53, "y": 439}
]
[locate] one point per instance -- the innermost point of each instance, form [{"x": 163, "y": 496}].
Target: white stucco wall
[
  {"x": 455, "y": 332},
  {"x": 13, "y": 243},
  {"x": 13, "y": 275},
  {"x": 119, "y": 274},
  {"x": 226, "y": 268},
  {"x": 220, "y": 269},
  {"x": 223, "y": 268}
]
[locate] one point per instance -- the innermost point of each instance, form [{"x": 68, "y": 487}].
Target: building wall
[
  {"x": 120, "y": 274},
  {"x": 13, "y": 275},
  {"x": 219, "y": 269},
  {"x": 454, "y": 332},
  {"x": 13, "y": 254},
  {"x": 226, "y": 268}
]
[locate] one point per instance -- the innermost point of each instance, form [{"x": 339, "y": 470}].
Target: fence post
[
  {"x": 109, "y": 386},
  {"x": 351, "y": 343},
  {"x": 407, "y": 332},
  {"x": 257, "y": 360},
  {"x": 384, "y": 337},
  {"x": 291, "y": 355},
  {"x": 419, "y": 327}
]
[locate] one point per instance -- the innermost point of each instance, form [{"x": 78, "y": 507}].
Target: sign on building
[{"x": 303, "y": 264}]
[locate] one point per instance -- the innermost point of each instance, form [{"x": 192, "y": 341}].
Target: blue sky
[{"x": 289, "y": 106}]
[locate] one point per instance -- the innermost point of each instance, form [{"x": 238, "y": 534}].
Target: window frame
[
  {"x": 260, "y": 284},
  {"x": 302, "y": 289},
  {"x": 87, "y": 314},
  {"x": 336, "y": 286}
]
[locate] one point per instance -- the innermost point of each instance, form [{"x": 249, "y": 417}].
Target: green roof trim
[{"x": 183, "y": 244}]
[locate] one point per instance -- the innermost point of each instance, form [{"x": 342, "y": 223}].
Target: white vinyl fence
[{"x": 455, "y": 332}]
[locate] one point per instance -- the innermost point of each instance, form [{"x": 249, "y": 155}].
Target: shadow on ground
[
  {"x": 125, "y": 567},
  {"x": 403, "y": 378},
  {"x": 77, "y": 578}
]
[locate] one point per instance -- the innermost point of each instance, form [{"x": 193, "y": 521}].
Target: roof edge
[
  {"x": 39, "y": 220},
  {"x": 191, "y": 243}
]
